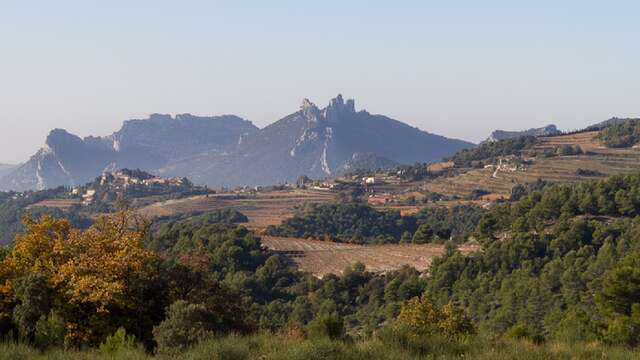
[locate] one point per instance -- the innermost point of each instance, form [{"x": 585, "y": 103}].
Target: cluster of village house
[
  {"x": 121, "y": 180},
  {"x": 504, "y": 165}
]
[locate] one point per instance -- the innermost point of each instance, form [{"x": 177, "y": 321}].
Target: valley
[{"x": 266, "y": 207}]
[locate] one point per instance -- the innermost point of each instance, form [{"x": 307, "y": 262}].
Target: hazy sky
[{"x": 456, "y": 68}]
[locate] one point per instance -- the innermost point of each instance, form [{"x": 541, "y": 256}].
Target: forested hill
[{"x": 558, "y": 264}]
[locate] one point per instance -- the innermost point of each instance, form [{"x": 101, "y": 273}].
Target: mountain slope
[
  {"x": 148, "y": 144},
  {"x": 569, "y": 158},
  {"x": 6, "y": 169},
  {"x": 317, "y": 143}
]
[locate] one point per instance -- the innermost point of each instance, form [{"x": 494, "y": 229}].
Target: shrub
[
  {"x": 185, "y": 325},
  {"x": 422, "y": 318},
  {"x": 49, "y": 331},
  {"x": 326, "y": 325},
  {"x": 117, "y": 342}
]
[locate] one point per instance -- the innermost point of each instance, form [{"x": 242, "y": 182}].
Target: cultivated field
[
  {"x": 555, "y": 169},
  {"x": 262, "y": 209},
  {"x": 323, "y": 257},
  {"x": 57, "y": 203}
]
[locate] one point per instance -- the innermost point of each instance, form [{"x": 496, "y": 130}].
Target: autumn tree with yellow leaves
[
  {"x": 420, "y": 317},
  {"x": 100, "y": 279}
]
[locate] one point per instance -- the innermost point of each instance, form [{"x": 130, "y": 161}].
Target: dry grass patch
[{"x": 323, "y": 257}]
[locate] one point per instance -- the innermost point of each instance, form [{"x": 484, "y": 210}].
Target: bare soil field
[
  {"x": 321, "y": 257},
  {"x": 262, "y": 209}
]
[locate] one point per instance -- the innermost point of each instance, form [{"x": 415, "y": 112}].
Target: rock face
[
  {"x": 148, "y": 144},
  {"x": 318, "y": 143},
  {"x": 543, "y": 131},
  {"x": 230, "y": 151}
]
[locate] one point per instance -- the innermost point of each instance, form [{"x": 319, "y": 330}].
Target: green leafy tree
[{"x": 619, "y": 301}]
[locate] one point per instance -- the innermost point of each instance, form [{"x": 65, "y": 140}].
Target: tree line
[{"x": 362, "y": 224}]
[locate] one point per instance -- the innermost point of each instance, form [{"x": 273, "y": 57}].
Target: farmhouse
[
  {"x": 87, "y": 197},
  {"x": 370, "y": 180},
  {"x": 378, "y": 199}
]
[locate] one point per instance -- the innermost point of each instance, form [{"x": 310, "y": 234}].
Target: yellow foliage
[
  {"x": 420, "y": 317},
  {"x": 92, "y": 271}
]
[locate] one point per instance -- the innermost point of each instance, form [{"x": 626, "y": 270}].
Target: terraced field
[
  {"x": 57, "y": 203},
  {"x": 262, "y": 209},
  {"x": 556, "y": 169},
  {"x": 321, "y": 258}
]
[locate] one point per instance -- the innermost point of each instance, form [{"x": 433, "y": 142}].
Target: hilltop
[
  {"x": 317, "y": 143},
  {"x": 548, "y": 130}
]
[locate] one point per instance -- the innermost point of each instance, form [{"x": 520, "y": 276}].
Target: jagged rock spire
[{"x": 338, "y": 106}]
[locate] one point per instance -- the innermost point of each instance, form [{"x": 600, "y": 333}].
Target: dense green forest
[
  {"x": 561, "y": 263},
  {"x": 362, "y": 224},
  {"x": 621, "y": 134},
  {"x": 488, "y": 151},
  {"x": 203, "y": 277},
  {"x": 557, "y": 277}
]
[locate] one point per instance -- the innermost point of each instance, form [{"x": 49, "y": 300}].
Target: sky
[{"x": 455, "y": 68}]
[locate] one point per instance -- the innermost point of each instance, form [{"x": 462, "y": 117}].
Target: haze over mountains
[
  {"x": 6, "y": 169},
  {"x": 229, "y": 151}
]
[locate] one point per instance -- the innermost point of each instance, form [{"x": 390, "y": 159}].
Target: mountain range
[{"x": 229, "y": 151}]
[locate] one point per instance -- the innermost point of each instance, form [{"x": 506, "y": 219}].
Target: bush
[
  {"x": 185, "y": 325},
  {"x": 117, "y": 342},
  {"x": 422, "y": 318},
  {"x": 49, "y": 332},
  {"x": 523, "y": 331},
  {"x": 326, "y": 325}
]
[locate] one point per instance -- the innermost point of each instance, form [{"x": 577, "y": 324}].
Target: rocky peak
[
  {"x": 310, "y": 111},
  {"x": 350, "y": 105},
  {"x": 338, "y": 106},
  {"x": 307, "y": 104},
  {"x": 61, "y": 138},
  {"x": 184, "y": 117},
  {"x": 156, "y": 116}
]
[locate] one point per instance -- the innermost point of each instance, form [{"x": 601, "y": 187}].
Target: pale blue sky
[{"x": 458, "y": 70}]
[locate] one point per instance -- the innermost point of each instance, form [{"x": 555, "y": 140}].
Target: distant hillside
[
  {"x": 148, "y": 144},
  {"x": 610, "y": 122},
  {"x": 621, "y": 133},
  {"x": 500, "y": 166},
  {"x": 543, "y": 131},
  {"x": 318, "y": 143}
]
